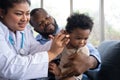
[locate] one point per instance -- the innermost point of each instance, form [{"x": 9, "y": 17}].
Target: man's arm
[
  {"x": 80, "y": 63},
  {"x": 95, "y": 59}
]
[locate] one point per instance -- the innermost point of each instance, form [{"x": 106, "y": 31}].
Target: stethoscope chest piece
[{"x": 22, "y": 52}]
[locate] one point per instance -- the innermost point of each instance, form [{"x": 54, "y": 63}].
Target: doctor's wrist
[{"x": 51, "y": 55}]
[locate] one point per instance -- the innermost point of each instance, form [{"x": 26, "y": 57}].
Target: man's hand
[{"x": 79, "y": 63}]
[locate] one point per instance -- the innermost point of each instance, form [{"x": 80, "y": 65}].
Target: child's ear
[{"x": 67, "y": 34}]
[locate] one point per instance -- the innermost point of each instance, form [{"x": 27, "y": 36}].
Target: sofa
[{"x": 110, "y": 56}]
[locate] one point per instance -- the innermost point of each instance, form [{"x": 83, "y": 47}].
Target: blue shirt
[
  {"x": 94, "y": 52},
  {"x": 41, "y": 39}
]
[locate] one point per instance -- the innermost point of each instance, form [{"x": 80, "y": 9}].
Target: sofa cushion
[{"x": 110, "y": 56}]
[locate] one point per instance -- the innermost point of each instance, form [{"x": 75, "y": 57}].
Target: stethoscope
[{"x": 21, "y": 51}]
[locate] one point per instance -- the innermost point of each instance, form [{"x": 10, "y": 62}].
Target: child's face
[{"x": 78, "y": 38}]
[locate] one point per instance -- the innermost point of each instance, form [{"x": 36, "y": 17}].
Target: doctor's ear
[{"x": 1, "y": 13}]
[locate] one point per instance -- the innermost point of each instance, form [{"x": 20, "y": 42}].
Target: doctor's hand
[{"x": 59, "y": 41}]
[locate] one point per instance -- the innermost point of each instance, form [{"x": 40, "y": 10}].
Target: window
[
  {"x": 91, "y": 8},
  {"x": 35, "y": 4},
  {"x": 59, "y": 9},
  {"x": 112, "y": 19}
]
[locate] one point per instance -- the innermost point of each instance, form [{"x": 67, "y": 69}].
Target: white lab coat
[{"x": 14, "y": 66}]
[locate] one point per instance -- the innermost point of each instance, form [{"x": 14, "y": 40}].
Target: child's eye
[
  {"x": 86, "y": 38},
  {"x": 79, "y": 38}
]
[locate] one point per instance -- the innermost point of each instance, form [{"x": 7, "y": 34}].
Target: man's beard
[
  {"x": 46, "y": 34},
  {"x": 47, "y": 31}
]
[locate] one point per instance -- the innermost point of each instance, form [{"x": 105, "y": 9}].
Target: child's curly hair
[{"x": 77, "y": 20}]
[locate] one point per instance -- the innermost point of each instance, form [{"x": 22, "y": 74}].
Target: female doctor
[{"x": 21, "y": 56}]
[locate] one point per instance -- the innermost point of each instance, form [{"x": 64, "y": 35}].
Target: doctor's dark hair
[
  {"x": 6, "y": 4},
  {"x": 77, "y": 20}
]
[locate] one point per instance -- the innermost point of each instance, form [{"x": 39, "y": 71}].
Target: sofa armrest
[{"x": 110, "y": 57}]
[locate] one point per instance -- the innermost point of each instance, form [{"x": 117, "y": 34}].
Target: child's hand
[{"x": 54, "y": 69}]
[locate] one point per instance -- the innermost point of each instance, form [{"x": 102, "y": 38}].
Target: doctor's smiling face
[{"x": 17, "y": 17}]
